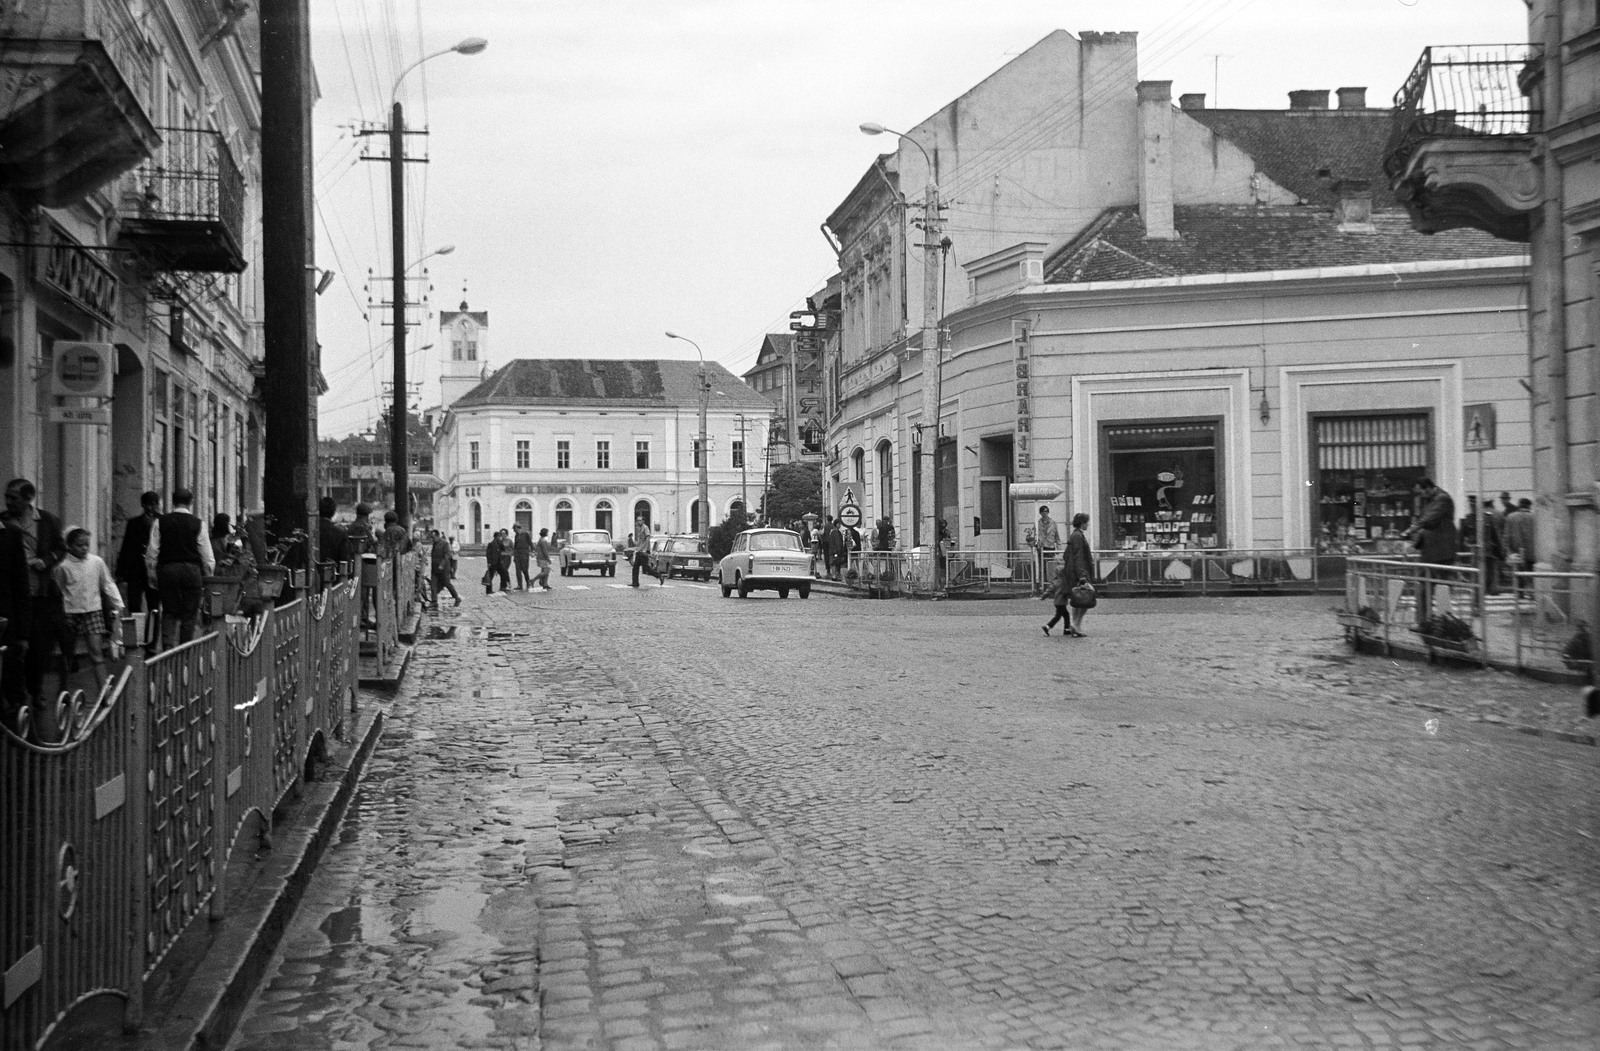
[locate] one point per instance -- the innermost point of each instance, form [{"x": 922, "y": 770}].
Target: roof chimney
[
  {"x": 1193, "y": 100},
  {"x": 1315, "y": 98},
  {"x": 1352, "y": 98},
  {"x": 1155, "y": 169},
  {"x": 1353, "y": 213}
]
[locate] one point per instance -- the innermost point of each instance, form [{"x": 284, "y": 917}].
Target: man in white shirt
[{"x": 178, "y": 559}]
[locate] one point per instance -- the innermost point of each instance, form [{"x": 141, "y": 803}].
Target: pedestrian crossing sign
[{"x": 1478, "y": 428}]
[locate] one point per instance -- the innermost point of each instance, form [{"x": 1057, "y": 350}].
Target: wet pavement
[{"x": 602, "y": 817}]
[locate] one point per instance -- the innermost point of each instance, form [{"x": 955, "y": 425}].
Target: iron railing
[
  {"x": 114, "y": 839},
  {"x": 192, "y": 177},
  {"x": 1461, "y": 91}
]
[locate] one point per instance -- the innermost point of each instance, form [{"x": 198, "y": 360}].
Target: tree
[
  {"x": 719, "y": 541},
  {"x": 796, "y": 490}
]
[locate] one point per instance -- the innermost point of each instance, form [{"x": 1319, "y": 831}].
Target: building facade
[
  {"x": 1237, "y": 292},
  {"x": 1502, "y": 138},
  {"x": 130, "y": 216},
  {"x": 565, "y": 444}
]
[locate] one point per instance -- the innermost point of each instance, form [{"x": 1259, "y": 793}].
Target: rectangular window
[
  {"x": 1363, "y": 471},
  {"x": 699, "y": 454},
  {"x": 641, "y": 455},
  {"x": 455, "y": 350},
  {"x": 472, "y": 350},
  {"x": 524, "y": 454},
  {"x": 602, "y": 455},
  {"x": 738, "y": 453},
  {"x": 472, "y": 456},
  {"x": 563, "y": 453},
  {"x": 1164, "y": 485}
]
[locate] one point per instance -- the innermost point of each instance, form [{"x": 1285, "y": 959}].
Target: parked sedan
[
  {"x": 766, "y": 559},
  {"x": 680, "y": 556},
  {"x": 589, "y": 549}
]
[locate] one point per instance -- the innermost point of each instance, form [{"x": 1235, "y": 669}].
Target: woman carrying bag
[{"x": 1079, "y": 569}]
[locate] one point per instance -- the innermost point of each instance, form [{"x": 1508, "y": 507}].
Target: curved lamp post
[
  {"x": 705, "y": 449},
  {"x": 399, "y": 455},
  {"x": 932, "y": 230}
]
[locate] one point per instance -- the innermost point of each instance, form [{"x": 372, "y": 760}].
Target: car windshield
[
  {"x": 684, "y": 547},
  {"x": 774, "y": 542},
  {"x": 591, "y": 536}
]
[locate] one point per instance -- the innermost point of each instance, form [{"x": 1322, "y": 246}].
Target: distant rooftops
[{"x": 626, "y": 382}]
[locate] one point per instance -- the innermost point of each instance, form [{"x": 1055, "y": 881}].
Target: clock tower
[{"x": 463, "y": 335}]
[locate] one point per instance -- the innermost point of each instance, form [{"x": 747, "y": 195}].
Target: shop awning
[{"x": 1362, "y": 443}]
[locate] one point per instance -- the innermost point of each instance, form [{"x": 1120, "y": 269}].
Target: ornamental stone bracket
[{"x": 1486, "y": 183}]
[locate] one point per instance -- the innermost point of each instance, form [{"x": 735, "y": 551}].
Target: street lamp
[
  {"x": 705, "y": 449},
  {"x": 444, "y": 250},
  {"x": 931, "y": 235},
  {"x": 397, "y": 213}
]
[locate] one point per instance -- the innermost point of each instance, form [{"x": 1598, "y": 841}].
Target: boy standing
[{"x": 86, "y": 589}]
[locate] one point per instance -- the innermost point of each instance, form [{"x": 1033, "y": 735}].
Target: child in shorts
[{"x": 86, "y": 590}]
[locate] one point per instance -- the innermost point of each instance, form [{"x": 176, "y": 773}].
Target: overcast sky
[{"x": 609, "y": 169}]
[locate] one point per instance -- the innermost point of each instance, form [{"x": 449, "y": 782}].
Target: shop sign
[
  {"x": 81, "y": 370},
  {"x": 884, "y": 367},
  {"x": 563, "y": 490},
  {"x": 72, "y": 270},
  {"x": 1022, "y": 442},
  {"x": 1479, "y": 427},
  {"x": 100, "y": 416}
]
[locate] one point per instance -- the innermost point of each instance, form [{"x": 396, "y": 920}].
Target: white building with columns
[{"x": 588, "y": 443}]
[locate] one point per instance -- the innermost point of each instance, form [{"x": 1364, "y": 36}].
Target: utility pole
[
  {"x": 932, "y": 230},
  {"x": 744, "y": 458},
  {"x": 705, "y": 459},
  {"x": 397, "y": 224},
  {"x": 287, "y": 254}
]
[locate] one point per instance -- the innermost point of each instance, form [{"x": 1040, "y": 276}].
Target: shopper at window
[{"x": 1434, "y": 536}]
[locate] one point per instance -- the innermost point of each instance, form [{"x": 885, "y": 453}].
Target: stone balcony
[{"x": 1461, "y": 153}]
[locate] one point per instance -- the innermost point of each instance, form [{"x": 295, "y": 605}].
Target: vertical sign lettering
[{"x": 1022, "y": 445}]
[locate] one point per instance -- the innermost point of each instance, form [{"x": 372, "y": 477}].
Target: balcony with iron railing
[
  {"x": 185, "y": 207},
  {"x": 1460, "y": 151}
]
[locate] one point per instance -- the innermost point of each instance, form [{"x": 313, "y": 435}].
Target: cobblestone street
[{"x": 602, "y": 817}]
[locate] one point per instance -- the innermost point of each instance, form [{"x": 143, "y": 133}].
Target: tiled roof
[
  {"x": 1307, "y": 151},
  {"x": 782, "y": 345},
  {"x": 586, "y": 381},
  {"x": 1224, "y": 238}
]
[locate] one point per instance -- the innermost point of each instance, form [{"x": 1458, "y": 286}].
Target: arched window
[
  {"x": 858, "y": 466},
  {"x": 642, "y": 511},
  {"x": 602, "y": 515},
  {"x": 886, "y": 480},
  {"x": 694, "y": 517},
  {"x": 476, "y": 535},
  {"x": 735, "y": 505},
  {"x": 563, "y": 518},
  {"x": 524, "y": 515}
]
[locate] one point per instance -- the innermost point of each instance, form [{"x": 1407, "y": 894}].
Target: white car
[
  {"x": 589, "y": 549},
  {"x": 766, "y": 559}
]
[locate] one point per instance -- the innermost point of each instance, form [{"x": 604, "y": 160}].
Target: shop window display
[
  {"x": 1365, "y": 470},
  {"x": 1163, "y": 481}
]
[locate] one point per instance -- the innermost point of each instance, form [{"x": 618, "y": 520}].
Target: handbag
[{"x": 1083, "y": 597}]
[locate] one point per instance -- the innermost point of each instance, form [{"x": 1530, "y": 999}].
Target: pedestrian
[
  {"x": 221, "y": 533},
  {"x": 1494, "y": 555},
  {"x": 1519, "y": 538},
  {"x": 1047, "y": 538},
  {"x": 360, "y": 537},
  {"x": 45, "y": 547},
  {"x": 521, "y": 548},
  {"x": 331, "y": 536},
  {"x": 883, "y": 536},
  {"x": 838, "y": 548},
  {"x": 1059, "y": 592},
  {"x": 543, "y": 552},
  {"x": 640, "y": 553},
  {"x": 395, "y": 537},
  {"x": 130, "y": 571},
  {"x": 498, "y": 557},
  {"x": 1434, "y": 536},
  {"x": 178, "y": 558},
  {"x": 16, "y": 618},
  {"x": 443, "y": 566},
  {"x": 1079, "y": 566},
  {"x": 87, "y": 591}
]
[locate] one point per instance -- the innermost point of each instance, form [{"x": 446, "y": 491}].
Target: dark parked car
[{"x": 680, "y": 556}]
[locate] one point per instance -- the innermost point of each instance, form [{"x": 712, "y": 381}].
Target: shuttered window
[{"x": 1361, "y": 443}]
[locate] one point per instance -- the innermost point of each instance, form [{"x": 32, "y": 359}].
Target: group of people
[
  {"x": 519, "y": 548},
  {"x": 833, "y": 542},
  {"x": 1508, "y": 538}
]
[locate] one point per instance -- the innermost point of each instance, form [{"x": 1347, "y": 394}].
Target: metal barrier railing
[
  {"x": 1551, "y": 616},
  {"x": 1401, "y": 601},
  {"x": 113, "y": 840},
  {"x": 1220, "y": 569}
]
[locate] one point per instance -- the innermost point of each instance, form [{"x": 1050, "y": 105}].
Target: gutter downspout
[{"x": 1551, "y": 226}]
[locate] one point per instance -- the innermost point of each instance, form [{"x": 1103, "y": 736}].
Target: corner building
[{"x": 590, "y": 443}]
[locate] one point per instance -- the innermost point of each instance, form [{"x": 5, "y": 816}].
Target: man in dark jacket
[
  {"x": 1436, "y": 539},
  {"x": 331, "y": 537},
  {"x": 130, "y": 573},
  {"x": 178, "y": 559},
  {"x": 521, "y": 549},
  {"x": 44, "y": 546},
  {"x": 16, "y": 612},
  {"x": 1494, "y": 552}
]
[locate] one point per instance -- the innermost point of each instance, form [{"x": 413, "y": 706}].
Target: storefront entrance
[
  {"x": 1162, "y": 485},
  {"x": 1363, "y": 470}
]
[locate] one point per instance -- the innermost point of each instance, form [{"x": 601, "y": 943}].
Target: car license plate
[{"x": 784, "y": 569}]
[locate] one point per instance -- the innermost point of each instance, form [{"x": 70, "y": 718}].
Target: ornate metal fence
[{"x": 114, "y": 840}]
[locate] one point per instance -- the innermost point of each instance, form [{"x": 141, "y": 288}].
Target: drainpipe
[{"x": 1550, "y": 230}]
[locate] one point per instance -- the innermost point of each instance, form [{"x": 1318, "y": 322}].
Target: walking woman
[{"x": 1080, "y": 570}]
